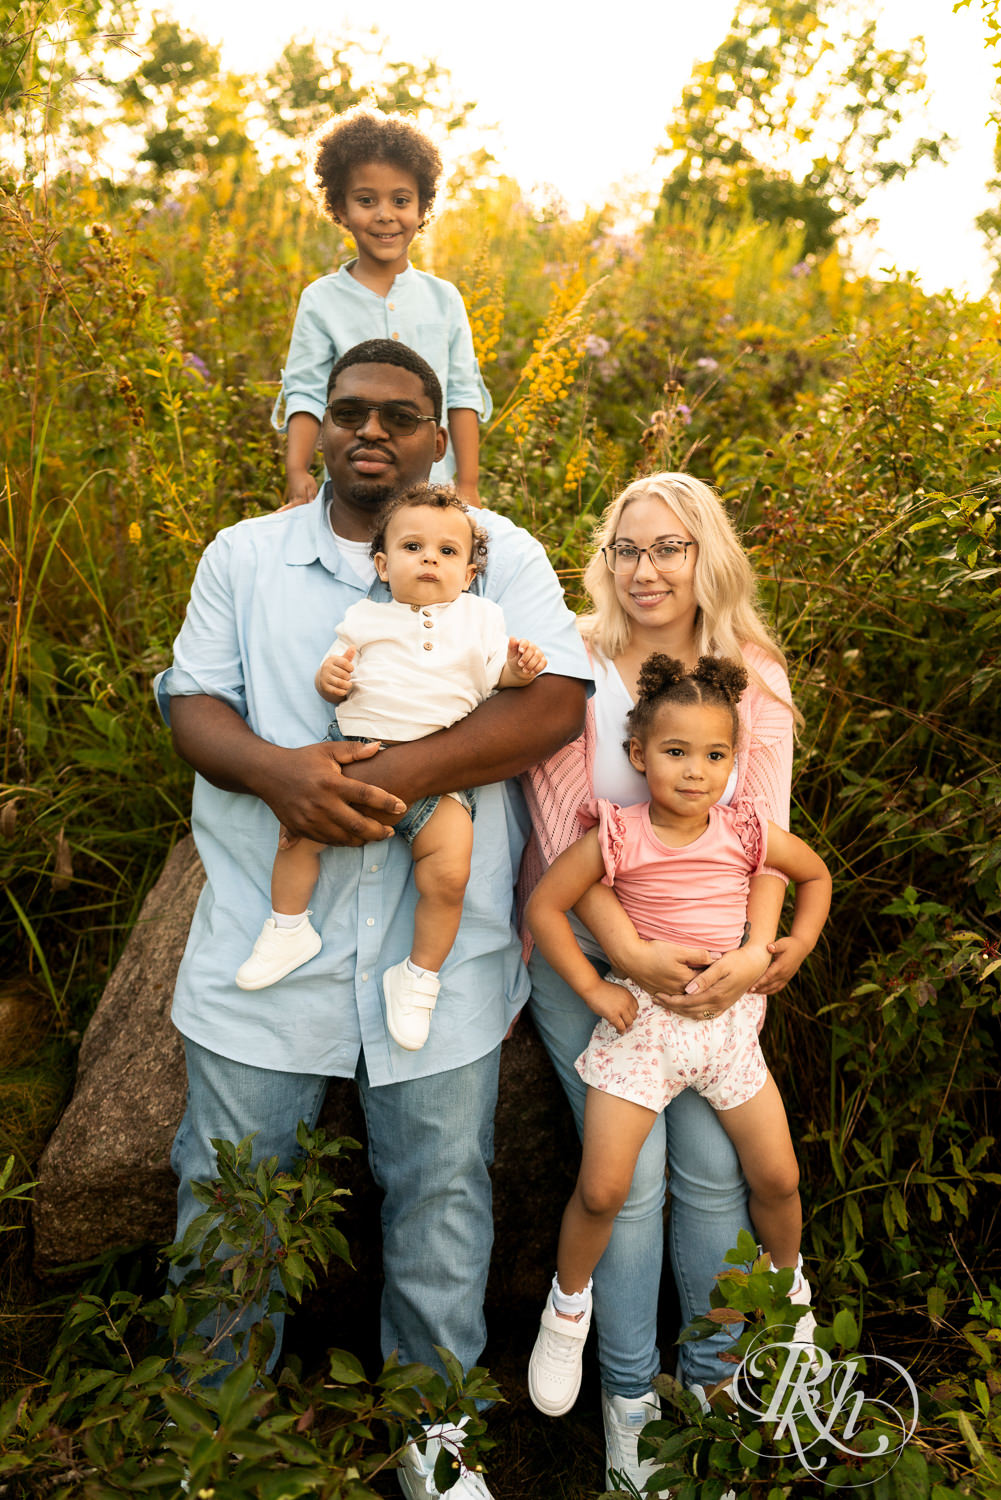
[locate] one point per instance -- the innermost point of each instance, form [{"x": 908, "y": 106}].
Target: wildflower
[
  {"x": 484, "y": 299},
  {"x": 196, "y": 367},
  {"x": 684, "y": 413},
  {"x": 576, "y": 469},
  {"x": 595, "y": 347},
  {"x": 135, "y": 533},
  {"x": 707, "y": 363}
]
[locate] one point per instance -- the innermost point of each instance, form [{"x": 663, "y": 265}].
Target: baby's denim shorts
[{"x": 417, "y": 813}]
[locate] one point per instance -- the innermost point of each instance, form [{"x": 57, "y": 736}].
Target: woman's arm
[
  {"x": 740, "y": 970},
  {"x": 576, "y": 871},
  {"x": 654, "y": 965}
]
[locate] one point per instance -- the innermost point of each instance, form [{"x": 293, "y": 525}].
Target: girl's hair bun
[
  {"x": 728, "y": 677},
  {"x": 663, "y": 679},
  {"x": 658, "y": 673}
]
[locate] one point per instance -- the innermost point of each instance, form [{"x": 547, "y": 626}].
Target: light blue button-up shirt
[
  {"x": 266, "y": 597},
  {"x": 336, "y": 312}
]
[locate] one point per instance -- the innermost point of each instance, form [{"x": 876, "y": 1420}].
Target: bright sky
[{"x": 580, "y": 96}]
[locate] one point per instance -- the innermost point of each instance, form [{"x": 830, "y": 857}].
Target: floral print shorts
[{"x": 661, "y": 1054}]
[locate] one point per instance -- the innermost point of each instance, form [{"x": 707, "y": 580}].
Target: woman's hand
[
  {"x": 713, "y": 991},
  {"x": 660, "y": 967}
]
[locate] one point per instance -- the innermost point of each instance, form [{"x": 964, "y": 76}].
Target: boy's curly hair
[
  {"x": 715, "y": 680},
  {"x": 442, "y": 497},
  {"x": 362, "y": 135}
]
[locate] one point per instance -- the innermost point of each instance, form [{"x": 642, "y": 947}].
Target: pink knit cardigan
[{"x": 557, "y": 787}]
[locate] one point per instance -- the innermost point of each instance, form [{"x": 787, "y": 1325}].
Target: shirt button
[
  {"x": 428, "y": 624},
  {"x": 396, "y": 335},
  {"x": 429, "y": 645},
  {"x": 373, "y": 869},
  {"x": 370, "y": 922},
  {"x": 426, "y": 613},
  {"x": 392, "y": 307},
  {"x": 365, "y": 978}
]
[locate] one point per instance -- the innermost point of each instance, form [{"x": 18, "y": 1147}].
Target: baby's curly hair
[
  {"x": 715, "y": 680},
  {"x": 442, "y": 497},
  {"x": 361, "y": 135}
]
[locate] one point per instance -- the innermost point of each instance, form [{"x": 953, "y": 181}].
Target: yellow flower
[{"x": 135, "y": 533}]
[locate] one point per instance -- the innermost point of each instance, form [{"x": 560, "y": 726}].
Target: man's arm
[
  {"x": 311, "y": 796},
  {"x": 501, "y": 738},
  {"x": 305, "y": 789}
]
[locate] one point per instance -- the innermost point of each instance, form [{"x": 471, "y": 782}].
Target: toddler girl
[
  {"x": 377, "y": 176},
  {"x": 404, "y": 668},
  {"x": 680, "y": 865}
]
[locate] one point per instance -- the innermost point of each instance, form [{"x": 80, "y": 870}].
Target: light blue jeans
[
  {"x": 708, "y": 1210},
  {"x": 430, "y": 1145}
]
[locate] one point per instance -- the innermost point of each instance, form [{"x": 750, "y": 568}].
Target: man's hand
[
  {"x": 312, "y": 797},
  {"x": 333, "y": 680},
  {"x": 613, "y": 1002},
  {"x": 720, "y": 985}
]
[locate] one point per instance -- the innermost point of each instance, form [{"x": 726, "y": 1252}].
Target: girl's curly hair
[
  {"x": 715, "y": 680},
  {"x": 442, "y": 497},
  {"x": 361, "y": 135}
]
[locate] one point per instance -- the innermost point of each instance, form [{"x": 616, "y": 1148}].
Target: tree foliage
[
  {"x": 795, "y": 119},
  {"x": 311, "y": 83}
]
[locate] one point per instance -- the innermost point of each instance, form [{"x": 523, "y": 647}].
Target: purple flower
[
  {"x": 684, "y": 413},
  {"x": 196, "y": 367}
]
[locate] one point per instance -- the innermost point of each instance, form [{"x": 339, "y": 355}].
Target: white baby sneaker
[
  {"x": 410, "y": 999},
  {"x": 556, "y": 1365},
  {"x": 277, "y": 952}
]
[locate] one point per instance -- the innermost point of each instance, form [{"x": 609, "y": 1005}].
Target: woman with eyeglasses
[{"x": 668, "y": 575}]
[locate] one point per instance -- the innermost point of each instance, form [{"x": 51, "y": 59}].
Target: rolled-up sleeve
[{"x": 207, "y": 654}]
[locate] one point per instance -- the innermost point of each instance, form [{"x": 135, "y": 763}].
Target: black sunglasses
[{"x": 397, "y": 419}]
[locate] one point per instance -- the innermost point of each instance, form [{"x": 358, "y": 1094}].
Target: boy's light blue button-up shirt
[
  {"x": 264, "y": 601},
  {"x": 336, "y": 312}
]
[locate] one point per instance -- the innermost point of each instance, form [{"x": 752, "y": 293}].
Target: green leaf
[
  {"x": 344, "y": 1367},
  {"x": 846, "y": 1330},
  {"x": 936, "y": 1303}
]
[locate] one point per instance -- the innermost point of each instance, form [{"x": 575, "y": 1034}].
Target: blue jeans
[
  {"x": 430, "y": 1145},
  {"x": 708, "y": 1210}
]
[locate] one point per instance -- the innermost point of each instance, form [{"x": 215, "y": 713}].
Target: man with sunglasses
[{"x": 244, "y": 713}]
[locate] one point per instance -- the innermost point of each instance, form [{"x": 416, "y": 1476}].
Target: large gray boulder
[{"x": 105, "y": 1178}]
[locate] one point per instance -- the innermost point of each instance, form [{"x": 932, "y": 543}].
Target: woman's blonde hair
[{"x": 727, "y": 617}]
